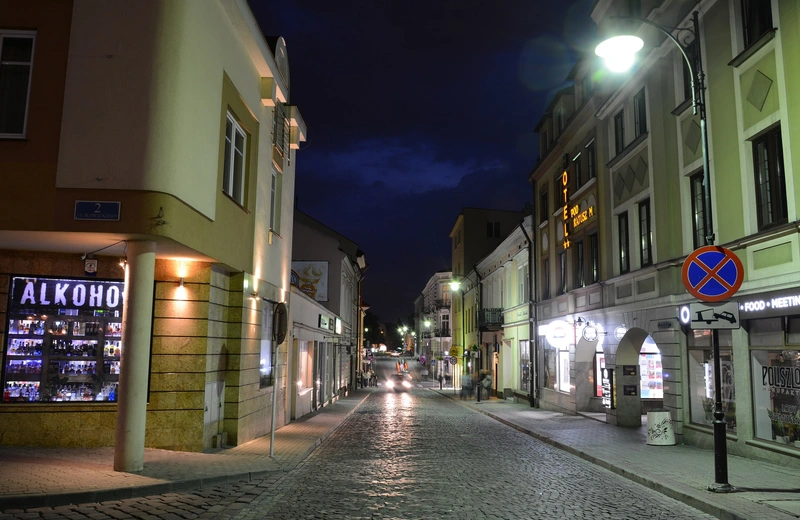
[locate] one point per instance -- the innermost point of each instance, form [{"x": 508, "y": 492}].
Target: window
[
  {"x": 281, "y": 133},
  {"x": 233, "y": 174},
  {"x": 586, "y": 87},
  {"x": 698, "y": 209},
  {"x": 580, "y": 267},
  {"x": 687, "y": 75},
  {"x": 619, "y": 132},
  {"x": 640, "y": 113},
  {"x": 594, "y": 258},
  {"x": 493, "y": 229},
  {"x": 560, "y": 121},
  {"x": 562, "y": 272},
  {"x": 634, "y": 8},
  {"x": 543, "y": 209},
  {"x": 16, "y": 65},
  {"x": 267, "y": 356},
  {"x": 546, "y": 279},
  {"x": 274, "y": 202},
  {"x": 591, "y": 167},
  {"x": 770, "y": 183},
  {"x": 524, "y": 364},
  {"x": 645, "y": 233},
  {"x": 622, "y": 228},
  {"x": 576, "y": 171},
  {"x": 521, "y": 284},
  {"x": 701, "y": 378},
  {"x": 756, "y": 20}
]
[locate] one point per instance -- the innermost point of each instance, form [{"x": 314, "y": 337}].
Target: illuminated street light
[{"x": 618, "y": 51}]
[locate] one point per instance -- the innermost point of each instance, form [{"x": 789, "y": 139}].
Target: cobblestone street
[{"x": 410, "y": 455}]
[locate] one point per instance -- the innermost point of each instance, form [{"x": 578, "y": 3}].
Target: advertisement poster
[{"x": 311, "y": 278}]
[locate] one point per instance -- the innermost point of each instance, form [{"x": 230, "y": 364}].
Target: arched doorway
[{"x": 639, "y": 378}]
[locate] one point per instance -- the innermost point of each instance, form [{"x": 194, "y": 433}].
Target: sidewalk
[
  {"x": 764, "y": 491},
  {"x": 50, "y": 477}
]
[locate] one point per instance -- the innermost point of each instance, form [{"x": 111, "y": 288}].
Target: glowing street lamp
[{"x": 618, "y": 53}]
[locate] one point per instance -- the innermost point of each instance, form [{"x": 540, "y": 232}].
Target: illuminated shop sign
[
  {"x": 75, "y": 294},
  {"x": 565, "y": 200},
  {"x": 571, "y": 215},
  {"x": 777, "y": 303}
]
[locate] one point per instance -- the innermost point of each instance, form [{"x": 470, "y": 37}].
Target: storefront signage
[
  {"x": 75, "y": 294},
  {"x": 96, "y": 210},
  {"x": 325, "y": 322},
  {"x": 565, "y": 201},
  {"x": 590, "y": 333},
  {"x": 632, "y": 390},
  {"x": 579, "y": 217},
  {"x": 781, "y": 379},
  {"x": 777, "y": 303},
  {"x": 607, "y": 385},
  {"x": 620, "y": 331},
  {"x": 337, "y": 327},
  {"x": 557, "y": 334},
  {"x": 629, "y": 370}
]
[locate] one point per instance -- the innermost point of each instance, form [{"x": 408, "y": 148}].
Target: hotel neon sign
[{"x": 573, "y": 213}]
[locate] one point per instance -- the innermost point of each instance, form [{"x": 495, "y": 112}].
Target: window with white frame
[
  {"x": 524, "y": 364},
  {"x": 639, "y": 113},
  {"x": 16, "y": 67},
  {"x": 697, "y": 194},
  {"x": 594, "y": 258},
  {"x": 624, "y": 254},
  {"x": 281, "y": 131},
  {"x": 275, "y": 202},
  {"x": 579, "y": 265},
  {"x": 591, "y": 166},
  {"x": 645, "y": 234},
  {"x": 234, "y": 165},
  {"x": 756, "y": 20},
  {"x": 576, "y": 171},
  {"x": 619, "y": 132},
  {"x": 562, "y": 272},
  {"x": 769, "y": 179}
]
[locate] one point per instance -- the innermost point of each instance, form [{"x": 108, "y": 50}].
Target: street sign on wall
[{"x": 712, "y": 273}]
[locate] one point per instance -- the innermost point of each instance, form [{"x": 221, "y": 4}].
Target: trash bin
[{"x": 660, "y": 431}]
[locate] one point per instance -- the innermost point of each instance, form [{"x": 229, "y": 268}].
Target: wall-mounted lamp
[
  {"x": 123, "y": 263},
  {"x": 181, "y": 283}
]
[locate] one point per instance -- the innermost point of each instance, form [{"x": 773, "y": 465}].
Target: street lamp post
[{"x": 618, "y": 53}]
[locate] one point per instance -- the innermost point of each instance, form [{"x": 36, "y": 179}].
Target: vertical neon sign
[{"x": 565, "y": 200}]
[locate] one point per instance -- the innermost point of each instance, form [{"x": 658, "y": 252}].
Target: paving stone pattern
[{"x": 422, "y": 455}]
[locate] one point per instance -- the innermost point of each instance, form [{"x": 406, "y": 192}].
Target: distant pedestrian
[{"x": 405, "y": 366}]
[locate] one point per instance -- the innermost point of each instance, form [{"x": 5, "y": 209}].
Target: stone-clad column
[{"x": 137, "y": 317}]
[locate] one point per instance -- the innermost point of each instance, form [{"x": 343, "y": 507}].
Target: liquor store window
[{"x": 64, "y": 340}]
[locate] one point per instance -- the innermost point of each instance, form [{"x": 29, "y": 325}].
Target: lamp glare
[{"x": 618, "y": 51}]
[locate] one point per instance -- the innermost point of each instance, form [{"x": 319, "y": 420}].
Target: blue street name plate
[{"x": 96, "y": 210}]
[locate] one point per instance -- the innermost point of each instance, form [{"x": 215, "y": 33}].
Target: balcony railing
[
  {"x": 490, "y": 319},
  {"x": 443, "y": 304}
]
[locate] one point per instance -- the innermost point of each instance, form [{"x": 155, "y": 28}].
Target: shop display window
[
  {"x": 776, "y": 395},
  {"x": 701, "y": 378},
  {"x": 63, "y": 341},
  {"x": 650, "y": 371},
  {"x": 524, "y": 364},
  {"x": 599, "y": 365}
]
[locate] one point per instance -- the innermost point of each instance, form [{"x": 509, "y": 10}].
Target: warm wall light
[
  {"x": 181, "y": 285},
  {"x": 123, "y": 262}
]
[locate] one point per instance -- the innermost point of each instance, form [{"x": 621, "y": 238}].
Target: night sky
[{"x": 416, "y": 109}]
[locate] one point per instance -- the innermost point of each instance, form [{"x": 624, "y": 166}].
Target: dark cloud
[{"x": 416, "y": 109}]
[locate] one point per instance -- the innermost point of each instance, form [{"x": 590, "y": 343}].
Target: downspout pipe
[{"x": 533, "y": 318}]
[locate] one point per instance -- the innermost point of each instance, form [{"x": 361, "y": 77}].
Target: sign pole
[{"x": 720, "y": 446}]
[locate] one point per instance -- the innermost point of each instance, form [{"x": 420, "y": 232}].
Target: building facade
[
  {"x": 162, "y": 163},
  {"x": 650, "y": 216},
  {"x": 327, "y": 270},
  {"x": 434, "y": 323}
]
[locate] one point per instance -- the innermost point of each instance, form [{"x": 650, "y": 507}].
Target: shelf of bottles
[{"x": 63, "y": 355}]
